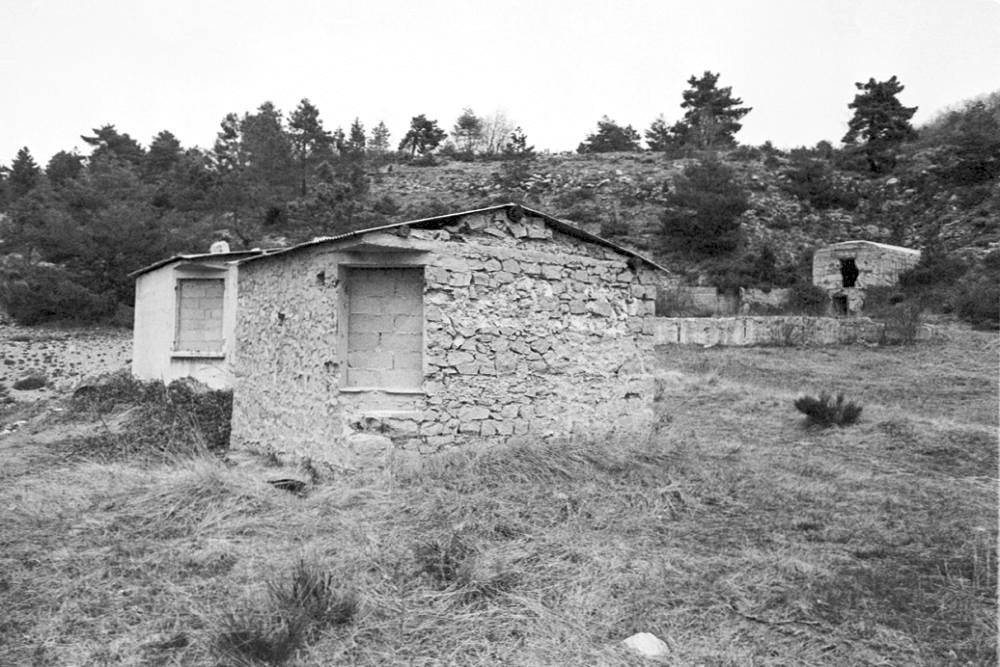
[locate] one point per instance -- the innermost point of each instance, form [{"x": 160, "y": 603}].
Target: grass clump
[
  {"x": 828, "y": 410},
  {"x": 295, "y": 610}
]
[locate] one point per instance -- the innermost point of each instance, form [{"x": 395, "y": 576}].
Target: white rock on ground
[{"x": 647, "y": 644}]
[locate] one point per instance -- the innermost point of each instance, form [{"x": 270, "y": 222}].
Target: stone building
[
  {"x": 185, "y": 316},
  {"x": 490, "y": 325},
  {"x": 845, "y": 270}
]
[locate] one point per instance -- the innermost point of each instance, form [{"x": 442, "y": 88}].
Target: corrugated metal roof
[
  {"x": 223, "y": 256},
  {"x": 883, "y": 246},
  {"x": 562, "y": 226}
]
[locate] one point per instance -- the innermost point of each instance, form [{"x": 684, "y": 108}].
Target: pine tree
[
  {"x": 24, "y": 174},
  {"x": 311, "y": 144},
  {"x": 423, "y": 136},
  {"x": 379, "y": 144},
  {"x": 63, "y": 167},
  {"x": 468, "y": 132},
  {"x": 110, "y": 143},
  {"x": 660, "y": 137},
  {"x": 356, "y": 139},
  {"x": 267, "y": 147},
  {"x": 880, "y": 123},
  {"x": 517, "y": 146},
  {"x": 712, "y": 115},
  {"x": 164, "y": 152},
  {"x": 610, "y": 136},
  {"x": 703, "y": 211}
]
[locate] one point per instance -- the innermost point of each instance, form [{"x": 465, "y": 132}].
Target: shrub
[
  {"x": 33, "y": 294},
  {"x": 583, "y": 214},
  {"x": 180, "y": 418},
  {"x": 31, "y": 383},
  {"x": 614, "y": 226},
  {"x": 901, "y": 315},
  {"x": 430, "y": 208},
  {"x": 703, "y": 212},
  {"x": 936, "y": 268},
  {"x": 677, "y": 302},
  {"x": 571, "y": 198},
  {"x": 979, "y": 304},
  {"x": 813, "y": 180},
  {"x": 386, "y": 205},
  {"x": 745, "y": 153},
  {"x": 808, "y": 299},
  {"x": 902, "y": 323},
  {"x": 828, "y": 411}
]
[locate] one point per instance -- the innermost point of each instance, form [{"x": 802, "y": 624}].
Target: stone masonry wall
[{"x": 529, "y": 334}]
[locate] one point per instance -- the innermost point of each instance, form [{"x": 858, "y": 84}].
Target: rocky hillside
[
  {"x": 622, "y": 196},
  {"x": 750, "y": 216}
]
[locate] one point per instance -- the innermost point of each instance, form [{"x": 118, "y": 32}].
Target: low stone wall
[{"x": 785, "y": 330}]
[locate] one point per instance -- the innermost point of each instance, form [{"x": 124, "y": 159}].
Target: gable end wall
[{"x": 528, "y": 334}]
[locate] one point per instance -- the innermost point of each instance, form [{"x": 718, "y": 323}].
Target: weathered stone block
[
  {"x": 600, "y": 307},
  {"x": 552, "y": 271},
  {"x": 473, "y": 413},
  {"x": 541, "y": 345},
  {"x": 457, "y": 358},
  {"x": 460, "y": 279},
  {"x": 509, "y": 411},
  {"x": 506, "y": 362},
  {"x": 470, "y": 428},
  {"x": 436, "y": 275}
]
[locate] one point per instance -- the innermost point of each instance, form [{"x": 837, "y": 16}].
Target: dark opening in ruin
[
  {"x": 321, "y": 278},
  {"x": 840, "y": 304},
  {"x": 849, "y": 271}
]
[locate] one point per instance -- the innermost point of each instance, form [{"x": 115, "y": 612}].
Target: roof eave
[{"x": 562, "y": 226}]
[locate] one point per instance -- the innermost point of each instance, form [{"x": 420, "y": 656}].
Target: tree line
[{"x": 73, "y": 229}]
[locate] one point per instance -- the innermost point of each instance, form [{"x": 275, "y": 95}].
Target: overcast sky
[{"x": 553, "y": 66}]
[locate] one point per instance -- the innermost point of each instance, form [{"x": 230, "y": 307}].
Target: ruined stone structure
[
  {"x": 847, "y": 269},
  {"x": 491, "y": 325}
]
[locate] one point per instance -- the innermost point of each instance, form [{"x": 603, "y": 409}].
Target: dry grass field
[{"x": 735, "y": 533}]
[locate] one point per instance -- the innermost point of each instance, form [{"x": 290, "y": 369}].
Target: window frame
[
  {"x": 188, "y": 352},
  {"x": 346, "y": 270}
]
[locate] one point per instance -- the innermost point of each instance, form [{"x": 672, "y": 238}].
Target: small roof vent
[{"x": 219, "y": 247}]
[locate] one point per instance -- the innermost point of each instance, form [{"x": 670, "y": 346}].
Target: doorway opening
[
  {"x": 840, "y": 304},
  {"x": 849, "y": 272}
]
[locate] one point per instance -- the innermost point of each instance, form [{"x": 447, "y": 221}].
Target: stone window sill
[
  {"x": 197, "y": 354},
  {"x": 410, "y": 391}
]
